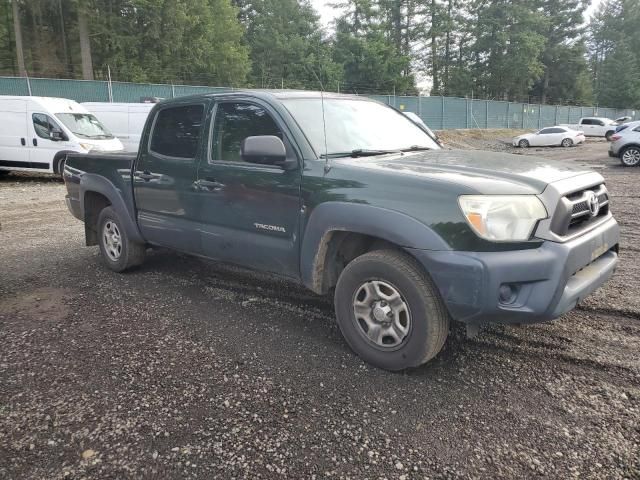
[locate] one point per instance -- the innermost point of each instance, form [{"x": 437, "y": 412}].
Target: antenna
[{"x": 327, "y": 163}]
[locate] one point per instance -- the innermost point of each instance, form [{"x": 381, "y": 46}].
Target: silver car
[{"x": 626, "y": 146}]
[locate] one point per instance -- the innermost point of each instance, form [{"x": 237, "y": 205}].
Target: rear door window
[{"x": 177, "y": 131}]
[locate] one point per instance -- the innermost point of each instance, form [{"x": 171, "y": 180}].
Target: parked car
[
  {"x": 594, "y": 126},
  {"x": 125, "y": 120},
  {"x": 625, "y": 145},
  {"x": 363, "y": 204},
  {"x": 38, "y": 132},
  {"x": 624, "y": 126},
  {"x": 549, "y": 137}
]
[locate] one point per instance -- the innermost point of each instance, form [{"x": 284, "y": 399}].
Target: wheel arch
[
  {"x": 625, "y": 148},
  {"x": 336, "y": 233},
  {"x": 58, "y": 158},
  {"x": 97, "y": 192}
]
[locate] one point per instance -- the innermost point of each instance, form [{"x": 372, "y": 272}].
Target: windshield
[
  {"x": 356, "y": 125},
  {"x": 84, "y": 125}
]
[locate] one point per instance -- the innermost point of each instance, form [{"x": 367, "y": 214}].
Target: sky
[{"x": 327, "y": 14}]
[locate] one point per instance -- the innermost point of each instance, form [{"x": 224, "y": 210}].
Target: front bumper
[{"x": 546, "y": 282}]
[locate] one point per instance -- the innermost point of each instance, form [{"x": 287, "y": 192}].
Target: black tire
[
  {"x": 609, "y": 134},
  {"x": 630, "y": 156},
  {"x": 523, "y": 143},
  {"x": 4, "y": 173},
  {"x": 61, "y": 168},
  {"x": 428, "y": 324},
  {"x": 566, "y": 142},
  {"x": 130, "y": 254}
]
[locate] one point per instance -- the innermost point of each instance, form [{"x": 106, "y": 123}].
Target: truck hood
[{"x": 484, "y": 172}]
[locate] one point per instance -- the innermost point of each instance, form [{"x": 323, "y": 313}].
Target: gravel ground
[{"x": 187, "y": 369}]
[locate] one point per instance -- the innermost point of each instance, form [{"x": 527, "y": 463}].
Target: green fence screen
[{"x": 440, "y": 113}]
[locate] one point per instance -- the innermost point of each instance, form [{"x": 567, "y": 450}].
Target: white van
[
  {"x": 125, "y": 120},
  {"x": 36, "y": 133}
]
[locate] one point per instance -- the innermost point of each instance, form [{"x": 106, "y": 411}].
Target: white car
[
  {"x": 596, "y": 126},
  {"x": 548, "y": 137},
  {"x": 38, "y": 132}
]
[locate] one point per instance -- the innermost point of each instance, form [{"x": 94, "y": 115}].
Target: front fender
[
  {"x": 388, "y": 225},
  {"x": 90, "y": 182}
]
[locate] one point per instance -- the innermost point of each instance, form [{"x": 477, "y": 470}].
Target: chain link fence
[{"x": 440, "y": 113}]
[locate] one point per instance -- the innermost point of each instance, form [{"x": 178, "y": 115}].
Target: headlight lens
[
  {"x": 502, "y": 218},
  {"x": 89, "y": 147}
]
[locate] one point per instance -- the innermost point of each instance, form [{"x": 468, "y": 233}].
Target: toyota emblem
[{"x": 594, "y": 203}]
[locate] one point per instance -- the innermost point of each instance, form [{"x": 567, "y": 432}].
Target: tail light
[{"x": 615, "y": 138}]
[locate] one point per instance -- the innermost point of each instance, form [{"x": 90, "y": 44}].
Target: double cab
[{"x": 350, "y": 197}]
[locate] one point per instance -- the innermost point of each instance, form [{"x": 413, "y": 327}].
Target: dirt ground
[{"x": 188, "y": 369}]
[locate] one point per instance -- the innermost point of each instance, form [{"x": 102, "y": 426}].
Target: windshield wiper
[
  {"x": 415, "y": 148},
  {"x": 359, "y": 152}
]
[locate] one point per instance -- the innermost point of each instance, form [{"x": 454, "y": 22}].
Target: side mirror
[
  {"x": 266, "y": 150},
  {"x": 56, "y": 135}
]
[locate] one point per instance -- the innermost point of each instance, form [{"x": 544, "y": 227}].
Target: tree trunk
[
  {"x": 434, "y": 50},
  {"x": 447, "y": 48},
  {"x": 63, "y": 36},
  {"x": 85, "y": 44},
  {"x": 545, "y": 87},
  {"x": 17, "y": 31}
]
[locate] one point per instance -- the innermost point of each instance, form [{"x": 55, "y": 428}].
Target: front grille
[{"x": 574, "y": 212}]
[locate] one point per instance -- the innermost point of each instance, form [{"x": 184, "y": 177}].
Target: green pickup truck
[{"x": 347, "y": 195}]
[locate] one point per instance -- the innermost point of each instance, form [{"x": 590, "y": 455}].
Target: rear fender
[
  {"x": 97, "y": 183},
  {"x": 387, "y": 225}
]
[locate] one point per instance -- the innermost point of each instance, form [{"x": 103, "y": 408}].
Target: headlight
[
  {"x": 89, "y": 147},
  {"x": 502, "y": 218}
]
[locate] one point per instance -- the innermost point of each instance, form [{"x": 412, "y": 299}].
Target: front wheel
[
  {"x": 567, "y": 142},
  {"x": 523, "y": 143},
  {"x": 119, "y": 253},
  {"x": 389, "y": 311},
  {"x": 630, "y": 157}
]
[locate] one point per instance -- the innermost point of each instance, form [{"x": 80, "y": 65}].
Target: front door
[
  {"x": 249, "y": 212},
  {"x": 164, "y": 177},
  {"x": 42, "y": 149}
]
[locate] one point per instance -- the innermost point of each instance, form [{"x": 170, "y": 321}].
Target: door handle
[
  {"x": 35, "y": 142},
  {"x": 208, "y": 185},
  {"x": 23, "y": 142},
  {"x": 146, "y": 176}
]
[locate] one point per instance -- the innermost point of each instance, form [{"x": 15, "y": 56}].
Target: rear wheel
[
  {"x": 567, "y": 142},
  {"x": 119, "y": 253},
  {"x": 608, "y": 135},
  {"x": 389, "y": 311},
  {"x": 523, "y": 143},
  {"x": 630, "y": 156}
]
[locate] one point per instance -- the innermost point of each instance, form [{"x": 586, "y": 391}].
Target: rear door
[
  {"x": 544, "y": 137},
  {"x": 555, "y": 135},
  {"x": 165, "y": 173},
  {"x": 14, "y": 152},
  {"x": 587, "y": 126},
  {"x": 249, "y": 212}
]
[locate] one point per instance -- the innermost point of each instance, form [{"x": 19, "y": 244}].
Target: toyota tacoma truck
[{"x": 350, "y": 197}]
